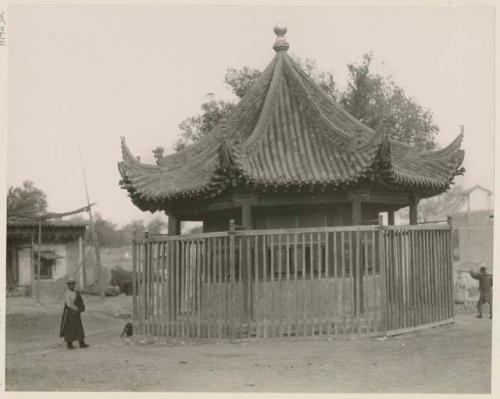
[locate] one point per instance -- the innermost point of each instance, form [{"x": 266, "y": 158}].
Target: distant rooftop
[{"x": 53, "y": 224}]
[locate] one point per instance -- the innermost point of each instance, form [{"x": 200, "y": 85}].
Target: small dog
[{"x": 127, "y": 330}]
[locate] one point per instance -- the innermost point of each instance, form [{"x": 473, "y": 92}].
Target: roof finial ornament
[{"x": 280, "y": 43}]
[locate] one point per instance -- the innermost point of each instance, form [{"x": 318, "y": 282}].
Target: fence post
[
  {"x": 147, "y": 286},
  {"x": 383, "y": 274},
  {"x": 134, "y": 280},
  {"x": 232, "y": 265},
  {"x": 450, "y": 268}
]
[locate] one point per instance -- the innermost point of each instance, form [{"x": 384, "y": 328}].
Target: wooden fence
[{"x": 293, "y": 282}]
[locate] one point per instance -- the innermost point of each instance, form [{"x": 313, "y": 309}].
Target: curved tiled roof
[{"x": 287, "y": 132}]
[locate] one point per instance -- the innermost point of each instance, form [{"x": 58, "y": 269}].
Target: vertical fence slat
[
  {"x": 432, "y": 277},
  {"x": 296, "y": 290},
  {"x": 450, "y": 274},
  {"x": 411, "y": 274},
  {"x": 390, "y": 273},
  {"x": 158, "y": 297},
  {"x": 193, "y": 269},
  {"x": 147, "y": 248},
  {"x": 311, "y": 282},
  {"x": 248, "y": 268},
  {"x": 287, "y": 307},
  {"x": 257, "y": 299},
  {"x": 304, "y": 296},
  {"x": 329, "y": 305},
  {"x": 437, "y": 278},
  {"x": 218, "y": 283},
  {"x": 272, "y": 310},
  {"x": 365, "y": 299},
  {"x": 404, "y": 280},
  {"x": 358, "y": 282},
  {"x": 199, "y": 257},
  {"x": 382, "y": 250},
  {"x": 241, "y": 282},
  {"x": 169, "y": 287},
  {"x": 400, "y": 282},
  {"x": 335, "y": 285},
  {"x": 376, "y": 305},
  {"x": 443, "y": 262},
  {"x": 265, "y": 285},
  {"x": 209, "y": 285},
  {"x": 428, "y": 292},
  {"x": 161, "y": 288},
  {"x": 342, "y": 281},
  {"x": 280, "y": 287},
  {"x": 352, "y": 298},
  {"x": 318, "y": 293},
  {"x": 134, "y": 283}
]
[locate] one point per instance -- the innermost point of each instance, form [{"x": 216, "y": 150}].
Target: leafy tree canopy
[
  {"x": 26, "y": 199},
  {"x": 384, "y": 106},
  {"x": 374, "y": 99}
]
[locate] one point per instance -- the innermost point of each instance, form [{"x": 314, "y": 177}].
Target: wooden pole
[
  {"x": 246, "y": 215},
  {"x": 356, "y": 210},
  {"x": 383, "y": 276},
  {"x": 414, "y": 210},
  {"x": 39, "y": 259},
  {"x": 174, "y": 225},
  {"x": 390, "y": 218}
]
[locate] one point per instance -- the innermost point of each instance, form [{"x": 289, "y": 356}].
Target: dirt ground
[{"x": 449, "y": 359}]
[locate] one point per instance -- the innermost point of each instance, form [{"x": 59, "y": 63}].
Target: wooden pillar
[
  {"x": 356, "y": 210},
  {"x": 174, "y": 225},
  {"x": 246, "y": 215},
  {"x": 390, "y": 218},
  {"x": 414, "y": 210}
]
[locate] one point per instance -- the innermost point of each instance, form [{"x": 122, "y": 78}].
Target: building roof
[
  {"x": 287, "y": 132},
  {"x": 53, "y": 231},
  {"x": 53, "y": 225},
  {"x": 476, "y": 187}
]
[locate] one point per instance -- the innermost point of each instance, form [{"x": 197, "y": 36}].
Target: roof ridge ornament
[{"x": 280, "y": 44}]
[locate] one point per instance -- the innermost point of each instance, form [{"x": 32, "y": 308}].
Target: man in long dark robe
[{"x": 71, "y": 322}]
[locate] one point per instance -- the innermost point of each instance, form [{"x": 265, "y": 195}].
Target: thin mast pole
[{"x": 93, "y": 233}]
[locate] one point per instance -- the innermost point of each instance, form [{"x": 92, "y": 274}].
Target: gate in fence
[{"x": 293, "y": 282}]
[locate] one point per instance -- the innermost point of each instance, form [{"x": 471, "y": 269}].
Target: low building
[
  {"x": 61, "y": 253},
  {"x": 472, "y": 240}
]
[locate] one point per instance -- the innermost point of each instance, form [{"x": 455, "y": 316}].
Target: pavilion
[{"x": 305, "y": 182}]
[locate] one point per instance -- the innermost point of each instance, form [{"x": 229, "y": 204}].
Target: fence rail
[{"x": 292, "y": 282}]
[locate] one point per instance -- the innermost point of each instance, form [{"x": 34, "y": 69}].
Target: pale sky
[{"x": 86, "y": 75}]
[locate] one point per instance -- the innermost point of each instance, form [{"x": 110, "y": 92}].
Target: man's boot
[
  {"x": 83, "y": 344},
  {"x": 69, "y": 345}
]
